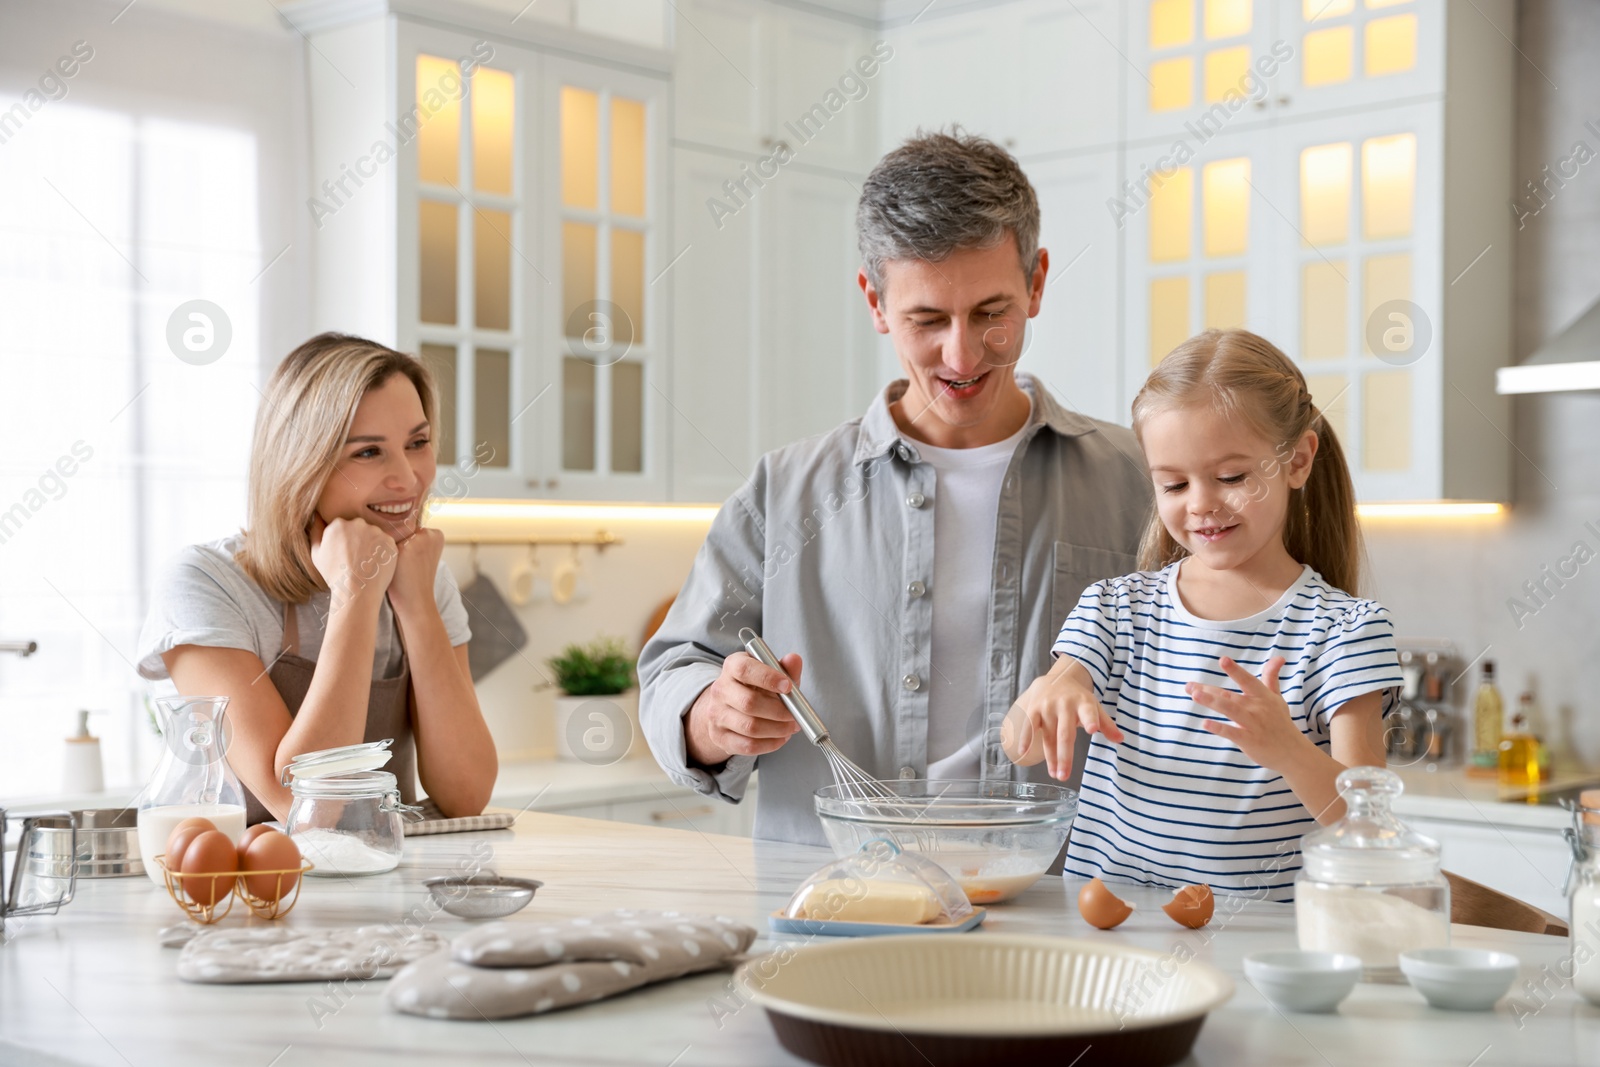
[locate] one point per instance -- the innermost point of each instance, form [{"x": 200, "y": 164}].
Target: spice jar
[
  {"x": 1369, "y": 886},
  {"x": 1584, "y": 894},
  {"x": 346, "y": 814}
]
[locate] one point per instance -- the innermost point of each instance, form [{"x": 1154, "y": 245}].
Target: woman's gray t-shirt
[{"x": 206, "y": 598}]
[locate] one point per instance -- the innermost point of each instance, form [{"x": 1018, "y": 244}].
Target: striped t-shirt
[{"x": 1172, "y": 804}]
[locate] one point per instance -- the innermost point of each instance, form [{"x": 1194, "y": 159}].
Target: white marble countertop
[
  {"x": 91, "y": 986},
  {"x": 542, "y": 784},
  {"x": 1453, "y": 794}
]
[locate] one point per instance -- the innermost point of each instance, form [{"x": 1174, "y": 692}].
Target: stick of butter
[{"x": 869, "y": 901}]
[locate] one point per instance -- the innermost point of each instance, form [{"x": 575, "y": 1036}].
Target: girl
[
  {"x": 1228, "y": 683},
  {"x": 331, "y": 620}
]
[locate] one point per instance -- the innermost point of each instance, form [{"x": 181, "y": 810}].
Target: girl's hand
[
  {"x": 1043, "y": 723},
  {"x": 354, "y": 558},
  {"x": 1262, "y": 725},
  {"x": 412, "y": 588}
]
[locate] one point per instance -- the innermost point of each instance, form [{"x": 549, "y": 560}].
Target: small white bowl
[
  {"x": 1460, "y": 979},
  {"x": 1303, "y": 981}
]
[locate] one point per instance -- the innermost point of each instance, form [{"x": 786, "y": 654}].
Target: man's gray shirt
[{"x": 827, "y": 551}]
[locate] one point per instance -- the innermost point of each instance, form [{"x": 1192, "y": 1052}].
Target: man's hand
[
  {"x": 1043, "y": 723},
  {"x": 740, "y": 714}
]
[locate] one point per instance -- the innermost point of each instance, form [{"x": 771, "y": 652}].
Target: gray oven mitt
[
  {"x": 509, "y": 969},
  {"x": 284, "y": 954}
]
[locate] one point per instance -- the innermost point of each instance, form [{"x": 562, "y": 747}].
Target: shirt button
[
  {"x": 916, "y": 589},
  {"x": 905, "y": 453},
  {"x": 911, "y": 682},
  {"x": 908, "y": 773},
  {"x": 916, "y": 500}
]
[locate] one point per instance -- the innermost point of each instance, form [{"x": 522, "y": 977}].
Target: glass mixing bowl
[{"x": 995, "y": 838}]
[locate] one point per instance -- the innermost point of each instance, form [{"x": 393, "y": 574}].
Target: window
[{"x": 111, "y": 221}]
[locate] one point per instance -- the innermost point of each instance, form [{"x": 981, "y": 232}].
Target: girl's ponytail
[{"x": 1322, "y": 529}]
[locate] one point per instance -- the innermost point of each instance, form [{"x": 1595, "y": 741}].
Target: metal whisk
[{"x": 854, "y": 782}]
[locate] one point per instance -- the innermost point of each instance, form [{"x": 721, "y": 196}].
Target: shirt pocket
[{"x": 1076, "y": 568}]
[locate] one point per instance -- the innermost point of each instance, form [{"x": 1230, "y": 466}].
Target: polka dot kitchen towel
[
  {"x": 506, "y": 969},
  {"x": 286, "y": 954}
]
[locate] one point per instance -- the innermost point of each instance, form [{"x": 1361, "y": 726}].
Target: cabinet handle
[
  {"x": 1283, "y": 101},
  {"x": 674, "y": 815},
  {"x": 551, "y": 483}
]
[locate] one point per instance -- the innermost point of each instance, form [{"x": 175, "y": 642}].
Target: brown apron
[{"x": 388, "y": 712}]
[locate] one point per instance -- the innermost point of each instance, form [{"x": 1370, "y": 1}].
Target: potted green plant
[{"x": 597, "y": 713}]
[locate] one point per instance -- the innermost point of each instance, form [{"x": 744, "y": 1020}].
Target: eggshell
[
  {"x": 210, "y": 852},
  {"x": 1101, "y": 907},
  {"x": 270, "y": 851},
  {"x": 1191, "y": 906}
]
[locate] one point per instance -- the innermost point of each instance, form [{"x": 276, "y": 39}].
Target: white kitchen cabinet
[
  {"x": 1037, "y": 103},
  {"x": 816, "y": 351},
  {"x": 1074, "y": 343},
  {"x": 751, "y": 75},
  {"x": 1530, "y": 865},
  {"x": 501, "y": 209},
  {"x": 772, "y": 336},
  {"x": 1370, "y": 245},
  {"x": 716, "y": 342},
  {"x": 720, "y": 66}
]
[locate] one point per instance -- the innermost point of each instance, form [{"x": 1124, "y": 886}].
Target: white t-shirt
[
  {"x": 206, "y": 598},
  {"x": 966, "y": 499}
]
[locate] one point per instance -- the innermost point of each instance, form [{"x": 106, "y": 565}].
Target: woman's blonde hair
[
  {"x": 1246, "y": 377},
  {"x": 304, "y": 418}
]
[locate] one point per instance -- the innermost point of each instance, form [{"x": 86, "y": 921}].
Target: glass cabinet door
[
  {"x": 1195, "y": 67},
  {"x": 1352, "y": 53},
  {"x": 607, "y": 328},
  {"x": 1363, "y": 294},
  {"x": 463, "y": 292}
]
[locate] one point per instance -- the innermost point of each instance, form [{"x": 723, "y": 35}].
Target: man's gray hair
[{"x": 940, "y": 193}]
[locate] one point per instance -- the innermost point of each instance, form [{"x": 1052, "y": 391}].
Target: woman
[{"x": 331, "y": 620}]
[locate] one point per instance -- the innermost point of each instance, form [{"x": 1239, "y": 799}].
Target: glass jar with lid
[
  {"x": 1369, "y": 886},
  {"x": 1583, "y": 886},
  {"x": 346, "y": 813}
]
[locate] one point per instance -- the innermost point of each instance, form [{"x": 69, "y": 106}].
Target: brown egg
[
  {"x": 1191, "y": 906},
  {"x": 270, "y": 851},
  {"x": 210, "y": 852},
  {"x": 1101, "y": 907},
  {"x": 251, "y": 834},
  {"x": 181, "y": 837}
]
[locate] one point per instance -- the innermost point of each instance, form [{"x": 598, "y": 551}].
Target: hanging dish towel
[
  {"x": 509, "y": 969},
  {"x": 496, "y": 633}
]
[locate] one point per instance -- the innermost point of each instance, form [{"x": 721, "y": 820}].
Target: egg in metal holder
[{"x": 260, "y": 907}]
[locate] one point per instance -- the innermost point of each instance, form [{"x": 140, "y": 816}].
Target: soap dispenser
[{"x": 82, "y": 770}]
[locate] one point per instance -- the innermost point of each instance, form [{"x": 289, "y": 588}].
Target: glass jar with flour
[
  {"x": 346, "y": 813},
  {"x": 1583, "y": 885},
  {"x": 1369, "y": 886}
]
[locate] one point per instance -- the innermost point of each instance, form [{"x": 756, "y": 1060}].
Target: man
[{"x": 913, "y": 566}]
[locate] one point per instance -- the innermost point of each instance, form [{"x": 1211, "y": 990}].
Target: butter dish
[{"x": 878, "y": 889}]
